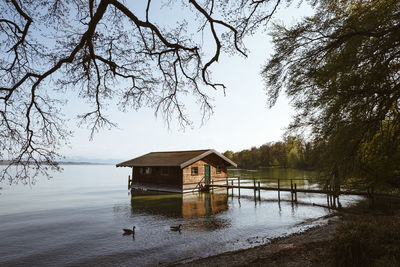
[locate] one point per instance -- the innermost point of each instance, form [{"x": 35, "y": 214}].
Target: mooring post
[
  {"x": 295, "y": 192},
  {"x": 129, "y": 182},
  {"x": 279, "y": 189},
  {"x": 232, "y": 186},
  {"x": 239, "y": 186},
  {"x": 255, "y": 188},
  {"x": 259, "y": 191},
  {"x": 334, "y": 196},
  {"x": 327, "y": 193},
  {"x": 291, "y": 188}
]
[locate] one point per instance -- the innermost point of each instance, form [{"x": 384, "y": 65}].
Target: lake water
[{"x": 76, "y": 219}]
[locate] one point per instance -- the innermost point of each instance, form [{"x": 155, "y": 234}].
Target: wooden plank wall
[{"x": 213, "y": 160}]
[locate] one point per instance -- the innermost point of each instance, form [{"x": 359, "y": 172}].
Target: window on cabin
[
  {"x": 218, "y": 169},
  {"x": 147, "y": 170},
  {"x": 195, "y": 170},
  {"x": 164, "y": 170},
  {"x": 141, "y": 170}
]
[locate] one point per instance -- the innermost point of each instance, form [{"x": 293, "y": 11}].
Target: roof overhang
[
  {"x": 209, "y": 152},
  {"x": 128, "y": 163}
]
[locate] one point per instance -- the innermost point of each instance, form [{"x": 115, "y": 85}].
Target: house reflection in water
[{"x": 188, "y": 205}]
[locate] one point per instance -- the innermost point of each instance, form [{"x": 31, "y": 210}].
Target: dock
[{"x": 331, "y": 191}]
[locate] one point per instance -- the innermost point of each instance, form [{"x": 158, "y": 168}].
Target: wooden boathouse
[{"x": 178, "y": 171}]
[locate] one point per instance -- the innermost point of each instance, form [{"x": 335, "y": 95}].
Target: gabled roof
[{"x": 172, "y": 158}]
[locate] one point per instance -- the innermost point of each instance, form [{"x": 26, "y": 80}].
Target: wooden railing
[{"x": 199, "y": 184}]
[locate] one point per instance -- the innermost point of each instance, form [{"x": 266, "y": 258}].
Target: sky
[{"x": 241, "y": 118}]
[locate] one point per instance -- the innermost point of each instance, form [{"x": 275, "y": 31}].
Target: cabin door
[{"x": 207, "y": 174}]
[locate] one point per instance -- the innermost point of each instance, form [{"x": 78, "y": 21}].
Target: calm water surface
[{"x": 76, "y": 219}]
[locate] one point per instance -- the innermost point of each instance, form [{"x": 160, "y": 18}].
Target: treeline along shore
[{"x": 292, "y": 152}]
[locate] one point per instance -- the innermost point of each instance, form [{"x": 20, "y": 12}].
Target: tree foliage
[
  {"x": 106, "y": 51},
  {"x": 290, "y": 153},
  {"x": 341, "y": 69}
]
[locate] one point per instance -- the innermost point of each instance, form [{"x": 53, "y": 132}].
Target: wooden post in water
[
  {"x": 259, "y": 191},
  {"x": 295, "y": 192},
  {"x": 129, "y": 182},
  {"x": 239, "y": 186},
  {"x": 327, "y": 193},
  {"x": 255, "y": 188},
  {"x": 334, "y": 195},
  {"x": 291, "y": 188},
  {"x": 232, "y": 186},
  {"x": 279, "y": 190}
]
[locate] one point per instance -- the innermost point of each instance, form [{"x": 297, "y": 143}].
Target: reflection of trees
[{"x": 269, "y": 177}]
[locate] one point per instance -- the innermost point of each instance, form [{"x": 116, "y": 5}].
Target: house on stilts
[{"x": 178, "y": 171}]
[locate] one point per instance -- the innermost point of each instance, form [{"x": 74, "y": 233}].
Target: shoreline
[{"x": 297, "y": 249}]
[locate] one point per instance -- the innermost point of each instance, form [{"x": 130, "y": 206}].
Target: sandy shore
[{"x": 308, "y": 248}]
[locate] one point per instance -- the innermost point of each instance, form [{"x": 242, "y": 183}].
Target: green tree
[
  {"x": 228, "y": 154},
  {"x": 278, "y": 155},
  {"x": 255, "y": 157},
  {"x": 341, "y": 69},
  {"x": 265, "y": 155}
]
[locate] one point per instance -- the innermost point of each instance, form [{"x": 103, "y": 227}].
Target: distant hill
[{"x": 6, "y": 162}]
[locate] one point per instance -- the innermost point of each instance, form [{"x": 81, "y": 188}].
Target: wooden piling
[
  {"x": 129, "y": 182},
  {"x": 327, "y": 196},
  {"x": 259, "y": 191},
  {"x": 232, "y": 186},
  {"x": 239, "y": 186},
  {"x": 295, "y": 192},
  {"x": 291, "y": 189},
  {"x": 279, "y": 190}
]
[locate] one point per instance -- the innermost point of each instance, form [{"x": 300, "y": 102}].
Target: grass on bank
[{"x": 368, "y": 236}]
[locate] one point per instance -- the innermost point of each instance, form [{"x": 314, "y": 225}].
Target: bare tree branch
[{"x": 102, "y": 51}]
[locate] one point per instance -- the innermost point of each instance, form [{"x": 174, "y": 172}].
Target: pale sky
[{"x": 241, "y": 119}]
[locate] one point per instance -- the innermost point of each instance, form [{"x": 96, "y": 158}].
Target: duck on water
[
  {"x": 129, "y": 231},
  {"x": 176, "y": 228}
]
